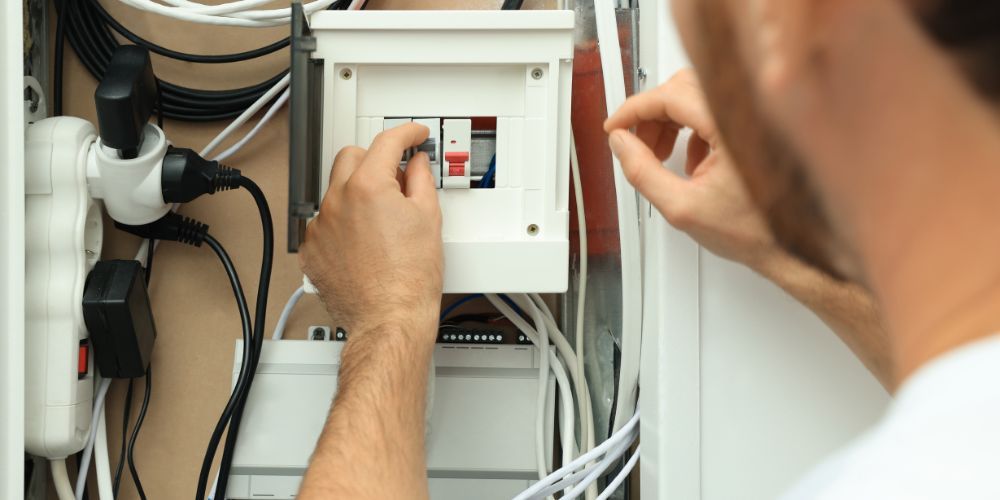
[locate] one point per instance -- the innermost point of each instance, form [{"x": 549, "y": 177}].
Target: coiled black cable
[{"x": 87, "y": 27}]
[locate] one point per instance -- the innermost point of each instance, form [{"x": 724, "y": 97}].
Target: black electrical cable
[
  {"x": 126, "y": 417},
  {"x": 87, "y": 30},
  {"x": 245, "y": 367},
  {"x": 57, "y": 104},
  {"x": 181, "y": 56},
  {"x": 267, "y": 262},
  {"x": 135, "y": 432},
  {"x": 512, "y": 4}
]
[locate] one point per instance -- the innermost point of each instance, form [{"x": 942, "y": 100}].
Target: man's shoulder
[{"x": 940, "y": 439}]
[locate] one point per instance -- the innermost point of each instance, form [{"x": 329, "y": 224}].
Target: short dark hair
[{"x": 969, "y": 29}]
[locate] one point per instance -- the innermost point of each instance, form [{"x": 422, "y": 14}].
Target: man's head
[{"x": 739, "y": 46}]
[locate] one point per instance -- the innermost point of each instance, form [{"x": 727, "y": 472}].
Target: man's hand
[
  {"x": 711, "y": 205},
  {"x": 374, "y": 253},
  {"x": 374, "y": 250}
]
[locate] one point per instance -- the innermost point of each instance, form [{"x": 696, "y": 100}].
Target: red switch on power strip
[{"x": 83, "y": 359}]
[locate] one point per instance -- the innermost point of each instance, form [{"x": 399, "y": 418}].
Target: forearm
[
  {"x": 848, "y": 309},
  {"x": 373, "y": 442}
]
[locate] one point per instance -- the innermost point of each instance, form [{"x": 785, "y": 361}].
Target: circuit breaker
[{"x": 494, "y": 89}]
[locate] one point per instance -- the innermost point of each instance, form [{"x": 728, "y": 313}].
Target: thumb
[
  {"x": 419, "y": 182},
  {"x": 663, "y": 188}
]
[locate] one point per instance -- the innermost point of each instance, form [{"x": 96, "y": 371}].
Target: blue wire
[
  {"x": 489, "y": 178},
  {"x": 469, "y": 298}
]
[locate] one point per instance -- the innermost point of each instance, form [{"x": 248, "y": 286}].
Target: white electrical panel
[
  {"x": 485, "y": 82},
  {"x": 480, "y": 430}
]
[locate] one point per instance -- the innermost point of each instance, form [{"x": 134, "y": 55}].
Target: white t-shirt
[{"x": 939, "y": 440}]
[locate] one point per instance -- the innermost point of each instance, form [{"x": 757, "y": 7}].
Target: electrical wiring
[
  {"x": 601, "y": 468},
  {"x": 256, "y": 129},
  {"x": 60, "y": 478},
  {"x": 102, "y": 463},
  {"x": 135, "y": 432},
  {"x": 89, "y": 34},
  {"x": 620, "y": 477},
  {"x": 575, "y": 482},
  {"x": 566, "y": 351},
  {"x": 624, "y": 433},
  {"x": 126, "y": 416},
  {"x": 181, "y": 56},
  {"x": 236, "y": 13},
  {"x": 243, "y": 117},
  {"x": 587, "y": 413},
  {"x": 286, "y": 313},
  {"x": 536, "y": 337},
  {"x": 88, "y": 450},
  {"x": 628, "y": 219},
  {"x": 512, "y": 4},
  {"x": 227, "y": 412},
  {"x": 263, "y": 287}
]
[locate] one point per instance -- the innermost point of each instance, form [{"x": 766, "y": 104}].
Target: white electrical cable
[
  {"x": 620, "y": 477},
  {"x": 88, "y": 450},
  {"x": 102, "y": 464},
  {"x": 566, "y": 351},
  {"x": 587, "y": 422},
  {"x": 279, "y": 328},
  {"x": 253, "y": 132},
  {"x": 237, "y": 13},
  {"x": 583, "y": 476},
  {"x": 625, "y": 433},
  {"x": 599, "y": 469},
  {"x": 543, "y": 385},
  {"x": 628, "y": 220},
  {"x": 535, "y": 337},
  {"x": 60, "y": 478},
  {"x": 246, "y": 115}
]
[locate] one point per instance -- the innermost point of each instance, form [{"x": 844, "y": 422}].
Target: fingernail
[{"x": 617, "y": 141}]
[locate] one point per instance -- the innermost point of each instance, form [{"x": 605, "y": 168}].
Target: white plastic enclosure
[{"x": 452, "y": 66}]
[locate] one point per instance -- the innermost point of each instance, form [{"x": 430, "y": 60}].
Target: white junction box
[
  {"x": 494, "y": 87},
  {"x": 480, "y": 433}
]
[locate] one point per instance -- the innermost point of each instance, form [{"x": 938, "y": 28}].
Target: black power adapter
[{"x": 119, "y": 318}]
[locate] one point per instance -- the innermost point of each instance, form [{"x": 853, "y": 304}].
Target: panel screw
[
  {"x": 532, "y": 229},
  {"x": 642, "y": 73},
  {"x": 346, "y": 74},
  {"x": 537, "y": 73}
]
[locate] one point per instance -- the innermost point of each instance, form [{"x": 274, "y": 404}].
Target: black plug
[
  {"x": 125, "y": 99},
  {"x": 186, "y": 176},
  {"x": 119, "y": 318},
  {"x": 170, "y": 227}
]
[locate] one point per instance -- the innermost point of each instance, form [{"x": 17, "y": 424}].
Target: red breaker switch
[
  {"x": 456, "y": 144},
  {"x": 457, "y": 161}
]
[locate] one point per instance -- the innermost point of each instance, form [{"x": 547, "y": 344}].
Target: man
[{"x": 867, "y": 134}]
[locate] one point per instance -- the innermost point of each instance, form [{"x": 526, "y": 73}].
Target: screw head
[
  {"x": 346, "y": 73},
  {"x": 532, "y": 229},
  {"x": 537, "y": 73}
]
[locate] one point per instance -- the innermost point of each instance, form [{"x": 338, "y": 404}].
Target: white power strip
[{"x": 480, "y": 433}]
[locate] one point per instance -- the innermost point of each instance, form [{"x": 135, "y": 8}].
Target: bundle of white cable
[
  {"x": 553, "y": 363},
  {"x": 95, "y": 423},
  {"x": 578, "y": 476},
  {"x": 238, "y": 13}
]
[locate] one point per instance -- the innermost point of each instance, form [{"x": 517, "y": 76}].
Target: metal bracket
[{"x": 305, "y": 128}]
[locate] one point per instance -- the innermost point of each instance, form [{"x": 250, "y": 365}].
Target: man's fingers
[
  {"x": 679, "y": 103},
  {"x": 645, "y": 171},
  {"x": 344, "y": 164},
  {"x": 388, "y": 148},
  {"x": 418, "y": 183}
]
